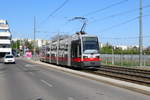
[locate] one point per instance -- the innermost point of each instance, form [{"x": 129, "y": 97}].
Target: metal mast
[
  {"x": 140, "y": 35},
  {"x": 34, "y": 48}
]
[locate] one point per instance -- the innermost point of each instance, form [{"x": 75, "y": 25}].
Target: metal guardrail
[{"x": 124, "y": 60}]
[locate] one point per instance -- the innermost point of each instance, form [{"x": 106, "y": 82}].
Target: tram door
[{"x": 76, "y": 53}]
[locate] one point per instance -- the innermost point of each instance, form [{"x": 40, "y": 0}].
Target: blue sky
[{"x": 20, "y": 14}]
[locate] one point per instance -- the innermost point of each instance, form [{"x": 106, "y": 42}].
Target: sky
[{"x": 113, "y": 21}]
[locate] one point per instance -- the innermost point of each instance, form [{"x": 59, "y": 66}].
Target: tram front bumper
[{"x": 88, "y": 64}]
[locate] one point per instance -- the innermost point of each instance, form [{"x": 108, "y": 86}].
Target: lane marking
[
  {"x": 48, "y": 84},
  {"x": 70, "y": 98},
  {"x": 32, "y": 73},
  {"x": 31, "y": 65}
]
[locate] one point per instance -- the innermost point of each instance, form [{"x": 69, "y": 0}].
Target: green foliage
[
  {"x": 15, "y": 44},
  {"x": 118, "y": 51},
  {"x": 28, "y": 45},
  {"x": 109, "y": 49},
  {"x": 106, "y": 49},
  {"x": 22, "y": 43},
  {"x": 147, "y": 51}
]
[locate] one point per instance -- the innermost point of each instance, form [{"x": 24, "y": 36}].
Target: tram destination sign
[{"x": 89, "y": 38}]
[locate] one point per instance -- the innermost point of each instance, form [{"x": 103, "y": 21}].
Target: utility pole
[
  {"x": 140, "y": 35},
  {"x": 34, "y": 44},
  {"x": 58, "y": 40},
  {"x": 112, "y": 59}
]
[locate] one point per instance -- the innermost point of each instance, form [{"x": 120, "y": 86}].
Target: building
[
  {"x": 126, "y": 47},
  {"x": 38, "y": 42},
  {"x": 5, "y": 38},
  {"x": 123, "y": 47}
]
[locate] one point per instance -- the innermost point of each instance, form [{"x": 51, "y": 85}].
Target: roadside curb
[{"x": 119, "y": 83}]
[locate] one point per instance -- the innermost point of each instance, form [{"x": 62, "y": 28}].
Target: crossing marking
[
  {"x": 70, "y": 98},
  {"x": 48, "y": 84}
]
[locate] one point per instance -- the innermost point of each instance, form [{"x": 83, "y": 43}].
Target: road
[{"x": 27, "y": 81}]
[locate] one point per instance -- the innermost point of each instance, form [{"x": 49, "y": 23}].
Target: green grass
[{"x": 124, "y": 63}]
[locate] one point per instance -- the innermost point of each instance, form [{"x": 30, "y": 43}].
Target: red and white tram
[{"x": 79, "y": 51}]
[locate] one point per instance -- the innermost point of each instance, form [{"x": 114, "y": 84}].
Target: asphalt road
[{"x": 27, "y": 81}]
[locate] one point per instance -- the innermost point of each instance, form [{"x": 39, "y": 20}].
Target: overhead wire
[
  {"x": 107, "y": 7},
  {"x": 125, "y": 22},
  {"x": 114, "y": 15},
  {"x": 124, "y": 40},
  {"x": 116, "y": 38},
  {"x": 118, "y": 25},
  {"x": 121, "y": 13},
  {"x": 118, "y": 14},
  {"x": 56, "y": 10}
]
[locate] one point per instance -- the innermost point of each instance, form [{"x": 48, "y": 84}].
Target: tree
[
  {"x": 117, "y": 50},
  {"x": 15, "y": 44},
  {"x": 147, "y": 50},
  {"x": 106, "y": 49},
  {"x": 28, "y": 44}
]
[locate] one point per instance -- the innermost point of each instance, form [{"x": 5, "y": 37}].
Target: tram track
[{"x": 133, "y": 75}]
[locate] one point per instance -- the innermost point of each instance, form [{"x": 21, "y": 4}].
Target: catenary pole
[
  {"x": 140, "y": 35},
  {"x": 34, "y": 45}
]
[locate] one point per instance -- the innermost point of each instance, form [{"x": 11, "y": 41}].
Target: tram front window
[{"x": 90, "y": 45}]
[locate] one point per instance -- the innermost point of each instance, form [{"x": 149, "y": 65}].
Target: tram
[{"x": 79, "y": 51}]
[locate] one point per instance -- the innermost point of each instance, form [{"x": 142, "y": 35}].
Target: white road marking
[
  {"x": 30, "y": 65},
  {"x": 32, "y": 73},
  {"x": 48, "y": 84},
  {"x": 70, "y": 98}
]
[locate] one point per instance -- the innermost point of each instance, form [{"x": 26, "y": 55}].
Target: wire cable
[
  {"x": 118, "y": 14},
  {"x": 107, "y": 7},
  {"x": 119, "y": 38},
  {"x": 118, "y": 25},
  {"x": 56, "y": 10},
  {"x": 125, "y": 22}
]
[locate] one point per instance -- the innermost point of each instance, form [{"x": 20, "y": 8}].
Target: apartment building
[{"x": 5, "y": 38}]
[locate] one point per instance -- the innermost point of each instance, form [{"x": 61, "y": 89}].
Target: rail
[{"x": 139, "y": 76}]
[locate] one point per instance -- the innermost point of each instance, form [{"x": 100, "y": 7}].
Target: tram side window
[
  {"x": 51, "y": 48},
  {"x": 76, "y": 49},
  {"x": 73, "y": 49},
  {"x": 47, "y": 49},
  {"x": 79, "y": 50},
  {"x": 66, "y": 47},
  {"x": 62, "y": 47},
  {"x": 54, "y": 48}
]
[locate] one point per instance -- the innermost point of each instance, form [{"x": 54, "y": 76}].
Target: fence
[{"x": 124, "y": 60}]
